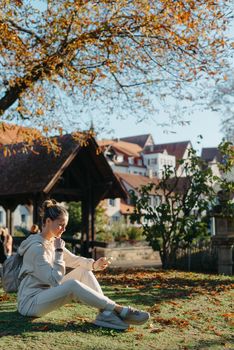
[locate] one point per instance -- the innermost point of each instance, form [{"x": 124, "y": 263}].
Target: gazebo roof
[{"x": 25, "y": 175}]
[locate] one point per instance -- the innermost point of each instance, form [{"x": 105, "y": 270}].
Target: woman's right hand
[{"x": 59, "y": 243}]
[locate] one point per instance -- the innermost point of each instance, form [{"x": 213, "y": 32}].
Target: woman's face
[{"x": 58, "y": 226}]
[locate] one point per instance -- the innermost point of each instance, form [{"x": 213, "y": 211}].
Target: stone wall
[{"x": 130, "y": 255}]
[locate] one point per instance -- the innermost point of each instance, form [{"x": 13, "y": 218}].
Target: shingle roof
[
  {"x": 140, "y": 140},
  {"x": 209, "y": 154},
  {"x": 176, "y": 149},
  {"x": 37, "y": 172}
]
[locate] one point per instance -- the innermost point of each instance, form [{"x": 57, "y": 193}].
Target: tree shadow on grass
[
  {"x": 224, "y": 343},
  {"x": 12, "y": 324},
  {"x": 147, "y": 287}
]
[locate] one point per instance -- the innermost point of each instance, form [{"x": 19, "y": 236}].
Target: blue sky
[{"x": 205, "y": 123}]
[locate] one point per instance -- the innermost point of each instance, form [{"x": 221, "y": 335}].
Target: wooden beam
[
  {"x": 67, "y": 191},
  {"x": 67, "y": 162}
]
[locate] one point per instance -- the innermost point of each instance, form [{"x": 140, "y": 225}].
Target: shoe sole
[
  {"x": 137, "y": 322},
  {"x": 109, "y": 325}
]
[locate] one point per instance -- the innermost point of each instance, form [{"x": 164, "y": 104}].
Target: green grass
[{"x": 188, "y": 311}]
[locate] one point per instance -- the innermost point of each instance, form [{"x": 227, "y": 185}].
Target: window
[
  {"x": 139, "y": 162},
  {"x": 23, "y": 218},
  {"x": 112, "y": 202},
  {"x": 1, "y": 217},
  {"x": 154, "y": 161}
]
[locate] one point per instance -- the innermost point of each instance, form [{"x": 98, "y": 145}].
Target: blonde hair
[{"x": 52, "y": 210}]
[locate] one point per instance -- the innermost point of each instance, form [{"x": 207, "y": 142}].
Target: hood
[{"x": 32, "y": 239}]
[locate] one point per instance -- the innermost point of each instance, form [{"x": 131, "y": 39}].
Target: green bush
[
  {"x": 135, "y": 233},
  {"x": 21, "y": 232}
]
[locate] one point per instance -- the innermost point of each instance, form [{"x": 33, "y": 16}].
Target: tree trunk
[{"x": 37, "y": 73}]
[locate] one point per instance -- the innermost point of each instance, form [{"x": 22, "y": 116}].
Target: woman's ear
[{"x": 47, "y": 221}]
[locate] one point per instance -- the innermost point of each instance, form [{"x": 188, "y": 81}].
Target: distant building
[
  {"x": 117, "y": 209},
  {"x": 158, "y": 156},
  {"x": 123, "y": 157},
  {"x": 140, "y": 140},
  {"x": 22, "y": 217},
  {"x": 143, "y": 157},
  {"x": 137, "y": 161},
  {"x": 212, "y": 156}
]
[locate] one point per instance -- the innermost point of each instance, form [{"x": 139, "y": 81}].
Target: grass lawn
[{"x": 188, "y": 311}]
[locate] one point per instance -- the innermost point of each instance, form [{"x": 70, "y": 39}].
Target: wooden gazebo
[{"x": 79, "y": 173}]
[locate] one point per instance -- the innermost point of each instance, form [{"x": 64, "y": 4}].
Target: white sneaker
[
  {"x": 110, "y": 320},
  {"x": 134, "y": 316}
]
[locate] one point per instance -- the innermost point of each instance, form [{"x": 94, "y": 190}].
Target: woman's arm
[
  {"x": 72, "y": 260},
  {"x": 48, "y": 272}
]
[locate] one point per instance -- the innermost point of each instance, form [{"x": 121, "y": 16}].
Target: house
[
  {"x": 138, "y": 155},
  {"x": 140, "y": 140},
  {"x": 159, "y": 155},
  {"x": 212, "y": 157},
  {"x": 120, "y": 208},
  {"x": 144, "y": 157},
  {"x": 123, "y": 156}
]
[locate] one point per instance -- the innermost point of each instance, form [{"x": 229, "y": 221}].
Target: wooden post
[
  {"x": 88, "y": 224},
  {"x": 10, "y": 217}
]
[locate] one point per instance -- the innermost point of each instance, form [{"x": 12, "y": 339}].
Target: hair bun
[{"x": 50, "y": 203}]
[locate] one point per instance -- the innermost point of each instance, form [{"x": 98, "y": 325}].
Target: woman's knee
[{"x": 71, "y": 284}]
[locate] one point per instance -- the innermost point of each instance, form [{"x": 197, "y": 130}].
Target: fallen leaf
[
  {"x": 156, "y": 330},
  {"x": 41, "y": 328},
  {"x": 139, "y": 336},
  {"x": 130, "y": 329}
]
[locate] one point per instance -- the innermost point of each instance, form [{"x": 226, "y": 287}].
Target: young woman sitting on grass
[{"x": 44, "y": 285}]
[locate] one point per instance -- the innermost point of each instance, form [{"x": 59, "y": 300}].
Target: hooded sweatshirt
[{"x": 43, "y": 267}]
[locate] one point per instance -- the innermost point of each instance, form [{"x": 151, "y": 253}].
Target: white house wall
[
  {"x": 22, "y": 217},
  {"x": 155, "y": 162},
  {"x": 113, "y": 209},
  {"x": 2, "y": 217}
]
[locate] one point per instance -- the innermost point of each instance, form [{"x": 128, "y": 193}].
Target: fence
[{"x": 202, "y": 257}]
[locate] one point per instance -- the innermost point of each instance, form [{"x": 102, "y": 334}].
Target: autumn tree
[{"x": 117, "y": 54}]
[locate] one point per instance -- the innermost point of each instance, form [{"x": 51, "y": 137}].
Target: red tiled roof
[
  {"x": 127, "y": 148},
  {"x": 136, "y": 181},
  {"x": 179, "y": 185},
  {"x": 126, "y": 209}
]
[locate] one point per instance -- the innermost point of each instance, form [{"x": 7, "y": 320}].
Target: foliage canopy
[{"x": 114, "y": 51}]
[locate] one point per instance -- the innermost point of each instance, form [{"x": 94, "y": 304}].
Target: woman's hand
[
  {"x": 59, "y": 243},
  {"x": 102, "y": 263}
]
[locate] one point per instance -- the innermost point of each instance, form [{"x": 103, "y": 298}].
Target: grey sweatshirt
[{"x": 43, "y": 267}]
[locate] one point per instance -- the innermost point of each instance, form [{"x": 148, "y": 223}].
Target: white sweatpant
[{"x": 79, "y": 284}]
